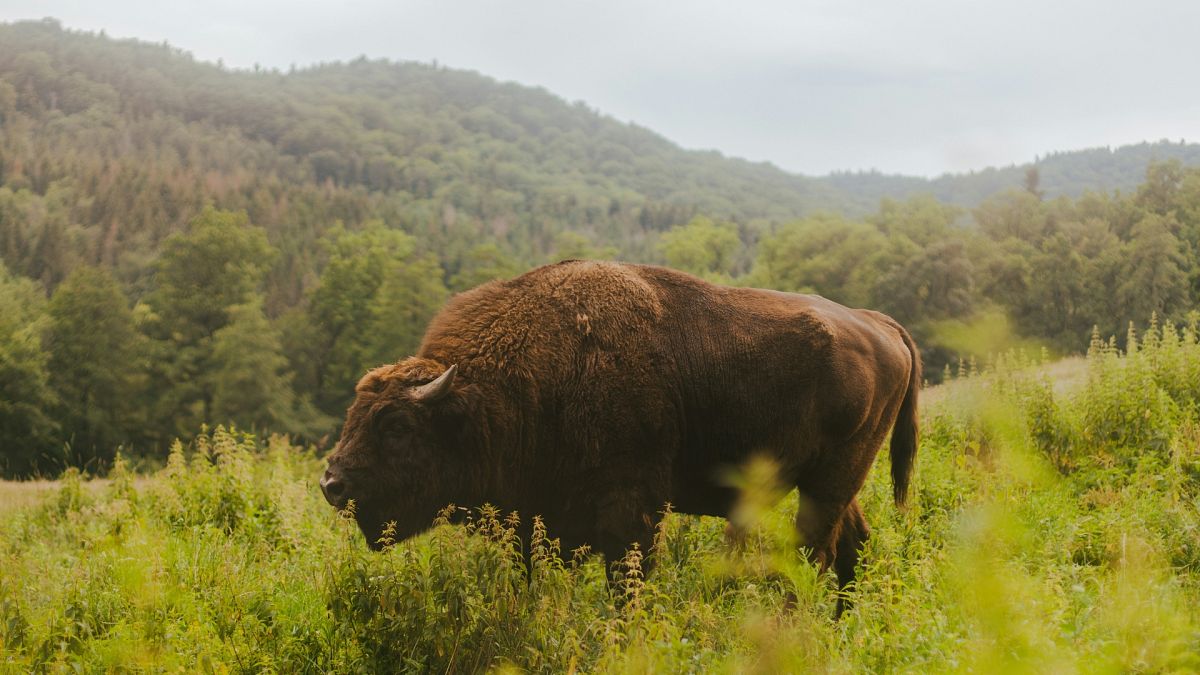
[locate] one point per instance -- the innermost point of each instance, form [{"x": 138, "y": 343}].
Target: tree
[
  {"x": 1158, "y": 193},
  {"x": 1033, "y": 182},
  {"x": 1004, "y": 270},
  {"x": 94, "y": 364},
  {"x": 251, "y": 381},
  {"x": 201, "y": 275},
  {"x": 922, "y": 219},
  {"x": 28, "y": 432},
  {"x": 1154, "y": 280},
  {"x": 1102, "y": 255},
  {"x": 824, "y": 254},
  {"x": 1015, "y": 213},
  {"x": 702, "y": 247},
  {"x": 372, "y": 302},
  {"x": 482, "y": 264},
  {"x": 935, "y": 282},
  {"x": 1057, "y": 292},
  {"x": 218, "y": 264},
  {"x": 570, "y": 245},
  {"x": 407, "y": 299}
]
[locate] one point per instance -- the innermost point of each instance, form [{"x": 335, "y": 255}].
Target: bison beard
[{"x": 594, "y": 393}]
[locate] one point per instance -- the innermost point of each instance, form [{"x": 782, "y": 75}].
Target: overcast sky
[{"x": 912, "y": 86}]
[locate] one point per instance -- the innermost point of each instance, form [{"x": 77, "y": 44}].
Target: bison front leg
[{"x": 625, "y": 518}]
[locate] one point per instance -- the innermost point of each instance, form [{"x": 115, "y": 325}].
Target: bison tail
[{"x": 904, "y": 434}]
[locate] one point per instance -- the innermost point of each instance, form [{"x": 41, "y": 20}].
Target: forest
[{"x": 186, "y": 245}]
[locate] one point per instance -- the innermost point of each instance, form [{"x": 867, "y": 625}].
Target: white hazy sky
[{"x": 914, "y": 86}]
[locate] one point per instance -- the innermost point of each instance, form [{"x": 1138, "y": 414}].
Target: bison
[{"x": 594, "y": 393}]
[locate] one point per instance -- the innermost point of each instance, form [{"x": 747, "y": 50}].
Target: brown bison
[{"x": 594, "y": 393}]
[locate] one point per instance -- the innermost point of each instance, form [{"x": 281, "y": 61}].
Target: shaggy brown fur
[{"x": 594, "y": 393}]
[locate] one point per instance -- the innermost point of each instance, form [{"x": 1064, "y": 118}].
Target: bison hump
[{"x": 539, "y": 318}]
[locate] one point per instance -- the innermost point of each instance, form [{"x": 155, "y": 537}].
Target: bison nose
[{"x": 334, "y": 488}]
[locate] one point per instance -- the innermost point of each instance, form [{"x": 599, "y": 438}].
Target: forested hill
[
  {"x": 1060, "y": 174},
  {"x": 119, "y": 143},
  {"x": 131, "y": 138}
]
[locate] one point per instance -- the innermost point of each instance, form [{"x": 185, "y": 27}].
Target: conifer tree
[{"x": 95, "y": 365}]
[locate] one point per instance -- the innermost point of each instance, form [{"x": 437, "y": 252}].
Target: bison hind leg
[
  {"x": 834, "y": 532},
  {"x": 852, "y": 534}
]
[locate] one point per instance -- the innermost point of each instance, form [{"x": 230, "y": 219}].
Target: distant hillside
[{"x": 1067, "y": 174}]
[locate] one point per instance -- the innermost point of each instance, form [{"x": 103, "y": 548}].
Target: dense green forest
[{"x": 183, "y": 244}]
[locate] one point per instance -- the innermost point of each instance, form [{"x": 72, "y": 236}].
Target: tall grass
[{"x": 1049, "y": 532}]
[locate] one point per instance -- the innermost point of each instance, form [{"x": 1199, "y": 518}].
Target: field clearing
[
  {"x": 17, "y": 494},
  {"x": 24, "y": 493},
  {"x": 1066, "y": 376},
  {"x": 1054, "y": 527}
]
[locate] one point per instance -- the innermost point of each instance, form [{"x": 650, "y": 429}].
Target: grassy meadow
[{"x": 1051, "y": 529}]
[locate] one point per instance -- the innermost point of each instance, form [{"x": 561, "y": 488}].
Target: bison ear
[{"x": 428, "y": 393}]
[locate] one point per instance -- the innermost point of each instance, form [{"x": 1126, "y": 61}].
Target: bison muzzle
[{"x": 595, "y": 393}]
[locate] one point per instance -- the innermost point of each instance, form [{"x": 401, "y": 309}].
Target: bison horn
[{"x": 436, "y": 389}]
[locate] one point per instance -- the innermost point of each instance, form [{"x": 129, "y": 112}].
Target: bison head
[{"x": 399, "y": 455}]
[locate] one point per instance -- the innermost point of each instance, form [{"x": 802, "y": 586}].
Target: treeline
[
  {"x": 1062, "y": 174},
  {"x": 88, "y": 369},
  {"x": 84, "y": 372},
  {"x": 1056, "y": 269}
]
